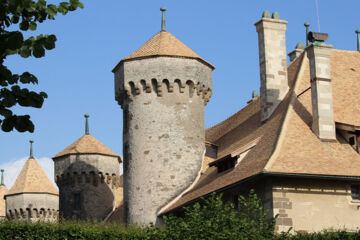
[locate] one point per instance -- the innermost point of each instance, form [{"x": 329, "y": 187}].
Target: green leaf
[
  {"x": 51, "y": 10},
  {"x": 15, "y": 19},
  {"x": 27, "y": 77},
  {"x": 33, "y": 26},
  {"x": 25, "y": 52},
  {"x": 24, "y": 25},
  {"x": 15, "y": 40},
  {"x": 38, "y": 51},
  {"x": 23, "y": 124},
  {"x": 8, "y": 124}
]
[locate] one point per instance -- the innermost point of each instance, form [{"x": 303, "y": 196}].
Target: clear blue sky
[{"x": 77, "y": 73}]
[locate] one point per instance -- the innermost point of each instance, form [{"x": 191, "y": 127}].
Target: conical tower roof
[
  {"x": 164, "y": 44},
  {"x": 32, "y": 179},
  {"x": 87, "y": 144}
]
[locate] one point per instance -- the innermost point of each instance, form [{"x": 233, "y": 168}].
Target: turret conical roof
[
  {"x": 32, "y": 179},
  {"x": 164, "y": 44},
  {"x": 87, "y": 144}
]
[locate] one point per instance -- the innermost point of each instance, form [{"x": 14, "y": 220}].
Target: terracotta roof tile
[
  {"x": 32, "y": 179},
  {"x": 317, "y": 157},
  {"x": 291, "y": 145},
  {"x": 87, "y": 144},
  {"x": 164, "y": 44}
]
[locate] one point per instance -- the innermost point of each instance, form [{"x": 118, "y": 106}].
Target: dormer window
[
  {"x": 351, "y": 134},
  {"x": 211, "y": 150},
  {"x": 225, "y": 163}
]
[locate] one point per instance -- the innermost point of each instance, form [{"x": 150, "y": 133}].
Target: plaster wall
[
  {"x": 315, "y": 205},
  {"x": 163, "y": 100}
]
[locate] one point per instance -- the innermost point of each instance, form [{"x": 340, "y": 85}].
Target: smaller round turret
[
  {"x": 33, "y": 196},
  {"x": 87, "y": 174}
]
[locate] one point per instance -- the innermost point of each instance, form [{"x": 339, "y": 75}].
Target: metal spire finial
[
  {"x": 31, "y": 148},
  {"x": 163, "y": 9},
  {"x": 86, "y": 124},
  {"x": 2, "y": 177},
  {"x": 357, "y": 31},
  {"x": 307, "y": 25}
]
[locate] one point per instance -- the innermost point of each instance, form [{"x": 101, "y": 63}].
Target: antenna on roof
[
  {"x": 31, "y": 148},
  {"x": 86, "y": 124},
  {"x": 163, "y": 9},
  {"x": 2, "y": 177},
  {"x": 357, "y": 31},
  {"x": 317, "y": 14},
  {"x": 307, "y": 25}
]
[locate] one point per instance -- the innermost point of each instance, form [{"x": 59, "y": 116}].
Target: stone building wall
[
  {"x": 314, "y": 205},
  {"x": 87, "y": 185},
  {"x": 32, "y": 206}
]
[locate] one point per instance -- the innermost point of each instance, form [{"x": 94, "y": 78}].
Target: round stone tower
[
  {"x": 162, "y": 88},
  {"x": 3, "y": 191},
  {"x": 87, "y": 174},
  {"x": 32, "y": 197}
]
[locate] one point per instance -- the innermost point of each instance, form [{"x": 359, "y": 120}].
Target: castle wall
[
  {"x": 163, "y": 100},
  {"x": 87, "y": 185},
  {"x": 32, "y": 206},
  {"x": 314, "y": 205}
]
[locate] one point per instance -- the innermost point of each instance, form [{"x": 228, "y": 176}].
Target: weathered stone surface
[
  {"x": 273, "y": 64},
  {"x": 163, "y": 100},
  {"x": 87, "y": 185},
  {"x": 321, "y": 92}
]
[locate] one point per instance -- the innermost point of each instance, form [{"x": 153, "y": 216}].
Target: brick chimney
[
  {"x": 321, "y": 94},
  {"x": 273, "y": 65}
]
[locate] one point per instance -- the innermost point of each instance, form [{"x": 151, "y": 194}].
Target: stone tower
[
  {"x": 3, "y": 191},
  {"x": 162, "y": 88},
  {"x": 87, "y": 174},
  {"x": 32, "y": 197}
]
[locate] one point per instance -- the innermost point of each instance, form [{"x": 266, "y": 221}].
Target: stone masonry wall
[
  {"x": 163, "y": 100},
  {"x": 321, "y": 91},
  {"x": 273, "y": 64},
  {"x": 314, "y": 205},
  {"x": 32, "y": 206},
  {"x": 87, "y": 185}
]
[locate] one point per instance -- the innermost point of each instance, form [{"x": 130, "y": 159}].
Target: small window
[
  {"x": 355, "y": 192},
  {"x": 77, "y": 201},
  {"x": 224, "y": 164},
  {"x": 352, "y": 141},
  {"x": 211, "y": 151}
]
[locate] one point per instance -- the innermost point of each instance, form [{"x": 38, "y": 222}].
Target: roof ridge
[{"x": 284, "y": 125}]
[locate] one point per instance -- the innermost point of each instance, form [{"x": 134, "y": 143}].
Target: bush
[
  {"x": 217, "y": 220},
  {"x": 211, "y": 220}
]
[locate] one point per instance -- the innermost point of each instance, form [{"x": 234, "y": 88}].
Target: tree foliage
[
  {"x": 214, "y": 219},
  {"x": 16, "y": 17}
]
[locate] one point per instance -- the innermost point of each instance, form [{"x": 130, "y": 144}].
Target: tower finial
[
  {"x": 86, "y": 124},
  {"x": 357, "y": 31},
  {"x": 31, "y": 148},
  {"x": 2, "y": 177},
  {"x": 163, "y": 9},
  {"x": 307, "y": 25}
]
